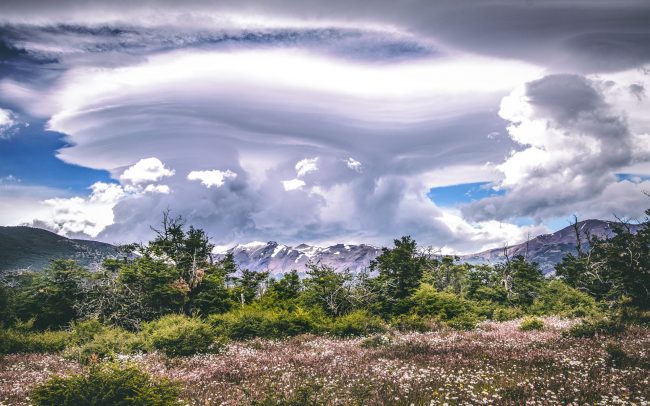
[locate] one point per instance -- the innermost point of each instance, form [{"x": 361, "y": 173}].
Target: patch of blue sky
[
  {"x": 632, "y": 177},
  {"x": 29, "y": 157},
  {"x": 455, "y": 195}
]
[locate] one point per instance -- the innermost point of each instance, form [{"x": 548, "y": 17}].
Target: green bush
[
  {"x": 407, "y": 323},
  {"x": 178, "y": 335},
  {"x": 251, "y": 321},
  {"x": 591, "y": 327},
  {"x": 357, "y": 323},
  {"x": 106, "y": 344},
  {"x": 107, "y": 384},
  {"x": 531, "y": 323},
  {"x": 558, "y": 298},
  {"x": 464, "y": 321},
  {"x": 15, "y": 341},
  {"x": 506, "y": 313},
  {"x": 84, "y": 331},
  {"x": 447, "y": 307}
]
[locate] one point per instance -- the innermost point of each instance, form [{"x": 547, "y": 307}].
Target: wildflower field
[{"x": 495, "y": 364}]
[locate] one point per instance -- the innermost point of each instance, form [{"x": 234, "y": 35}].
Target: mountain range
[{"x": 33, "y": 248}]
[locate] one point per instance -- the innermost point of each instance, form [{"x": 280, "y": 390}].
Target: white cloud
[
  {"x": 211, "y": 178},
  {"x": 153, "y": 188},
  {"x": 7, "y": 121},
  {"x": 293, "y": 184},
  {"x": 306, "y": 166},
  {"x": 573, "y": 142},
  {"x": 78, "y": 215},
  {"x": 354, "y": 164},
  {"x": 146, "y": 170}
]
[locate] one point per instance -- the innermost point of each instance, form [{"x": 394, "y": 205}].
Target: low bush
[
  {"x": 558, "y": 298},
  {"x": 356, "y": 323},
  {"x": 506, "y": 313},
  {"x": 375, "y": 341},
  {"x": 84, "y": 331},
  {"x": 464, "y": 321},
  {"x": 16, "y": 341},
  {"x": 178, "y": 335},
  {"x": 107, "y": 384},
  {"x": 531, "y": 323},
  {"x": 106, "y": 344},
  {"x": 592, "y": 327},
  {"x": 251, "y": 321},
  {"x": 407, "y": 323}
]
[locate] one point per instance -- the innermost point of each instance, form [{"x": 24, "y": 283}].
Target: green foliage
[
  {"x": 506, "y": 313},
  {"x": 531, "y": 323},
  {"x": 17, "y": 341},
  {"x": 521, "y": 279},
  {"x": 412, "y": 323},
  {"x": 375, "y": 341},
  {"x": 253, "y": 321},
  {"x": 558, "y": 298},
  {"x": 356, "y": 323},
  {"x": 327, "y": 289},
  {"x": 50, "y": 296},
  {"x": 107, "y": 343},
  {"x": 613, "y": 268},
  {"x": 594, "y": 326},
  {"x": 163, "y": 289},
  {"x": 211, "y": 295},
  {"x": 447, "y": 307},
  {"x": 179, "y": 335},
  {"x": 286, "y": 288},
  {"x": 249, "y": 285},
  {"x": 107, "y": 385},
  {"x": 400, "y": 273}
]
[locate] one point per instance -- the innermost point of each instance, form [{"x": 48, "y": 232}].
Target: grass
[{"x": 495, "y": 364}]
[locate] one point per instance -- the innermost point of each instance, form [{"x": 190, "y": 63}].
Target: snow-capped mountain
[{"x": 279, "y": 259}]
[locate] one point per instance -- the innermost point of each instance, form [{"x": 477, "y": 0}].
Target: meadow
[{"x": 496, "y": 363}]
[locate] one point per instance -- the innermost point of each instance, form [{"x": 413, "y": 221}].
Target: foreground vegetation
[
  {"x": 497, "y": 364},
  {"x": 166, "y": 321}
]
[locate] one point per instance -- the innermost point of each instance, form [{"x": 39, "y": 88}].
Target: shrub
[
  {"x": 446, "y": 307},
  {"x": 107, "y": 384},
  {"x": 357, "y": 323},
  {"x": 106, "y": 344},
  {"x": 531, "y": 323},
  {"x": 412, "y": 323},
  {"x": 506, "y": 313},
  {"x": 591, "y": 327},
  {"x": 84, "y": 331},
  {"x": 464, "y": 321},
  {"x": 558, "y": 298},
  {"x": 178, "y": 335},
  {"x": 251, "y": 321},
  {"x": 14, "y": 341}
]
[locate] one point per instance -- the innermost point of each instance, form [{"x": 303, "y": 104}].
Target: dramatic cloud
[
  {"x": 212, "y": 178},
  {"x": 330, "y": 121},
  {"x": 574, "y": 143}
]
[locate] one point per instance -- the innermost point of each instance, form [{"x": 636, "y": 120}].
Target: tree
[
  {"x": 50, "y": 296},
  {"x": 521, "y": 279},
  {"x": 400, "y": 273},
  {"x": 327, "y": 289},
  {"x": 286, "y": 288},
  {"x": 614, "y": 268},
  {"x": 250, "y": 285}
]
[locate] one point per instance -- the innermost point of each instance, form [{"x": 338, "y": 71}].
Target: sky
[{"x": 465, "y": 124}]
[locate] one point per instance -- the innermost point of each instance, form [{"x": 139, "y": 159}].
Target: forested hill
[{"x": 33, "y": 248}]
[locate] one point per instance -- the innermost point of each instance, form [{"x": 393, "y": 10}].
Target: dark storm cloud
[{"x": 587, "y": 36}]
